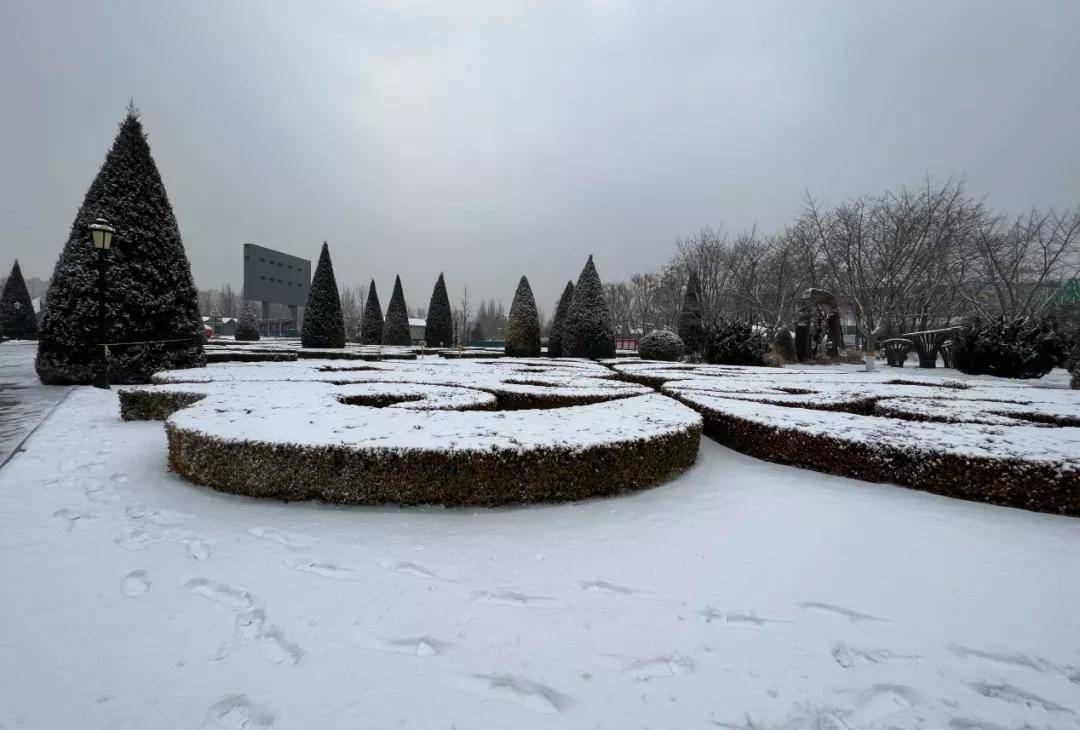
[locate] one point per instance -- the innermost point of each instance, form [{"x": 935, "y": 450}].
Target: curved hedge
[{"x": 411, "y": 433}]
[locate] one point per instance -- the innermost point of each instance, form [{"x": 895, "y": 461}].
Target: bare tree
[{"x": 620, "y": 306}]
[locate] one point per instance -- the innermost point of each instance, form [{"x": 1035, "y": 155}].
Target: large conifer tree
[
  {"x": 523, "y": 324},
  {"x": 324, "y": 325},
  {"x": 17, "y": 318},
  {"x": 555, "y": 339},
  {"x": 371, "y": 324},
  {"x": 691, "y": 327},
  {"x": 396, "y": 326},
  {"x": 150, "y": 295},
  {"x": 587, "y": 330},
  {"x": 439, "y": 330}
]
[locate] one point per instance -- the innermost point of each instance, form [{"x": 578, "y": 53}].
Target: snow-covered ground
[{"x": 743, "y": 594}]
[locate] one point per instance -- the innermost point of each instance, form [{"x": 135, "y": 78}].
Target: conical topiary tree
[
  {"x": 17, "y": 318},
  {"x": 150, "y": 297},
  {"x": 587, "y": 330},
  {"x": 691, "y": 327},
  {"x": 324, "y": 325},
  {"x": 523, "y": 323},
  {"x": 371, "y": 324},
  {"x": 439, "y": 329},
  {"x": 396, "y": 327},
  {"x": 555, "y": 339},
  {"x": 247, "y": 328}
]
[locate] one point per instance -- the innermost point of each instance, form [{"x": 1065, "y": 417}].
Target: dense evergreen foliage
[
  {"x": 523, "y": 323},
  {"x": 150, "y": 297},
  {"x": 477, "y": 333},
  {"x": 587, "y": 330},
  {"x": 562, "y": 308},
  {"x": 17, "y": 318},
  {"x": 735, "y": 342},
  {"x": 324, "y": 325},
  {"x": 247, "y": 328},
  {"x": 396, "y": 326},
  {"x": 785, "y": 345},
  {"x": 439, "y": 330},
  {"x": 691, "y": 326},
  {"x": 661, "y": 345},
  {"x": 371, "y": 324},
  {"x": 1016, "y": 348}
]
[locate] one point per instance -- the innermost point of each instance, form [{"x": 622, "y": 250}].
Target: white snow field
[{"x": 742, "y": 594}]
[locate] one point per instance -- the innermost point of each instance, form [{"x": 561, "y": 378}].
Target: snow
[{"x": 742, "y": 594}]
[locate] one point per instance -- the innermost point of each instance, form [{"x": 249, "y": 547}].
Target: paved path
[{"x": 24, "y": 401}]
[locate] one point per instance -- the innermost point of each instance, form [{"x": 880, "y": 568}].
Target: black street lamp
[{"x": 101, "y": 234}]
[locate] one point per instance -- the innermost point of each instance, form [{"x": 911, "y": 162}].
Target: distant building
[{"x": 416, "y": 329}]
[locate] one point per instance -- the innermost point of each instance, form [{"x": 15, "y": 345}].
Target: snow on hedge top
[
  {"x": 311, "y": 414},
  {"x": 429, "y": 404},
  {"x": 985, "y": 418}
]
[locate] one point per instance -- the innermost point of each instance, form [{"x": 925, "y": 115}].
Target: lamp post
[{"x": 101, "y": 234}]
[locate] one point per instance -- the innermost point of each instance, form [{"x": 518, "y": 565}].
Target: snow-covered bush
[
  {"x": 324, "y": 325},
  {"x": 149, "y": 294},
  {"x": 523, "y": 323},
  {"x": 371, "y": 324},
  {"x": 991, "y": 441},
  {"x": 439, "y": 329},
  {"x": 661, "y": 345},
  {"x": 247, "y": 328},
  {"x": 17, "y": 318},
  {"x": 1016, "y": 348},
  {"x": 562, "y": 308},
  {"x": 735, "y": 342},
  {"x": 587, "y": 330},
  {"x": 418, "y": 432},
  {"x": 396, "y": 325},
  {"x": 691, "y": 326}
]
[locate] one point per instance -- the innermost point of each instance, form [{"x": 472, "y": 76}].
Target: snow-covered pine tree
[
  {"x": 324, "y": 325},
  {"x": 691, "y": 325},
  {"x": 247, "y": 328},
  {"x": 439, "y": 330},
  {"x": 523, "y": 324},
  {"x": 17, "y": 318},
  {"x": 371, "y": 324},
  {"x": 555, "y": 339},
  {"x": 396, "y": 326},
  {"x": 587, "y": 330},
  {"x": 149, "y": 293}
]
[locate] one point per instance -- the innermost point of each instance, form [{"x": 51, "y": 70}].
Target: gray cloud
[{"x": 490, "y": 139}]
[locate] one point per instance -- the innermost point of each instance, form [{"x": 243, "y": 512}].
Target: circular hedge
[{"x": 417, "y": 432}]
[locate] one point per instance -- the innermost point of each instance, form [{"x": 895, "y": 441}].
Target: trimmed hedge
[
  {"x": 343, "y": 474},
  {"x": 249, "y": 356},
  {"x": 1031, "y": 485}
]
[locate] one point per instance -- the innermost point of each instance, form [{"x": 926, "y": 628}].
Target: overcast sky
[{"x": 492, "y": 139}]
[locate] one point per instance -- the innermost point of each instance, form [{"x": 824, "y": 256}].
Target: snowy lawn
[{"x": 743, "y": 594}]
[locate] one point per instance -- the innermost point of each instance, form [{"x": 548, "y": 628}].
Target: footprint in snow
[
  {"x": 1015, "y": 659},
  {"x": 73, "y": 517},
  {"x": 1017, "y": 696},
  {"x": 418, "y": 646},
  {"x": 408, "y": 568},
  {"x": 736, "y": 618},
  {"x": 646, "y": 668},
  {"x": 838, "y": 611},
  {"x": 282, "y": 537},
  {"x": 222, "y": 593},
  {"x": 513, "y": 598},
  {"x": 237, "y": 712},
  {"x": 515, "y": 689},
  {"x": 100, "y": 492},
  {"x": 328, "y": 570},
  {"x": 135, "y": 583},
  {"x": 850, "y": 656},
  {"x": 603, "y": 586}
]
